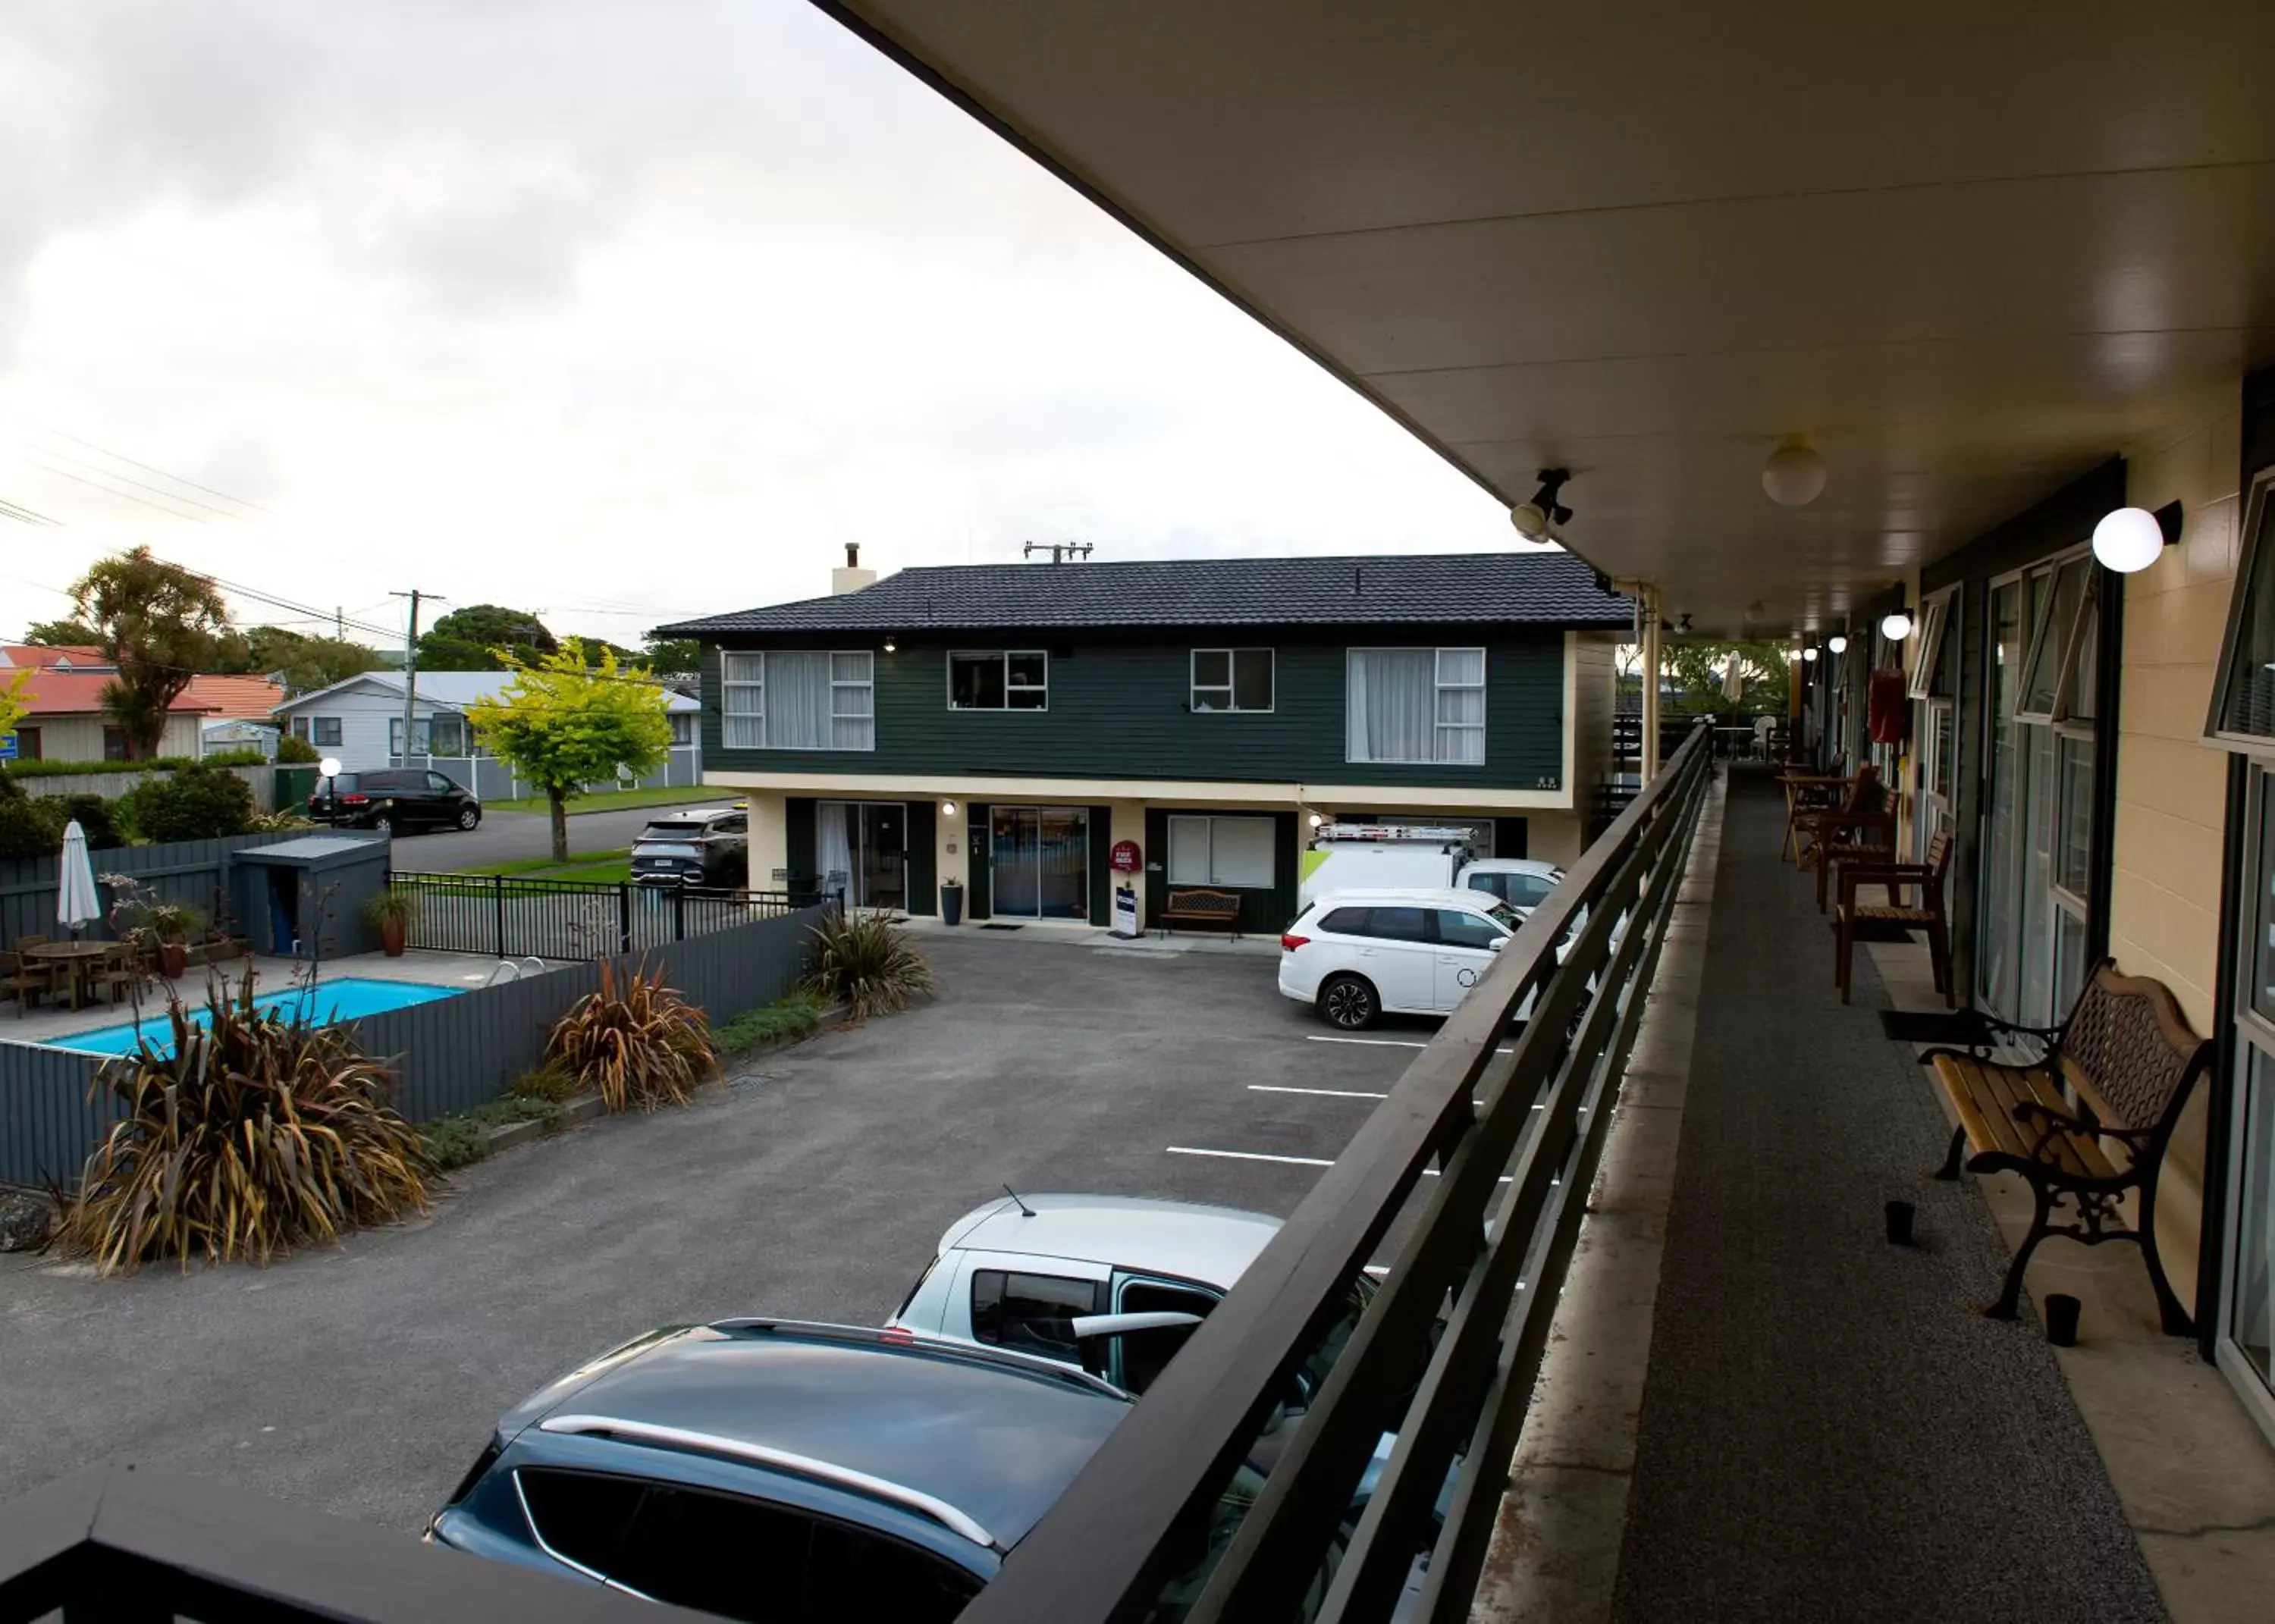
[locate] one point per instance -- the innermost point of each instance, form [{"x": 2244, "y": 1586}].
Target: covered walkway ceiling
[{"x": 1974, "y": 249}]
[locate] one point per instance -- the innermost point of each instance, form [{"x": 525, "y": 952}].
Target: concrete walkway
[{"x": 1828, "y": 1429}]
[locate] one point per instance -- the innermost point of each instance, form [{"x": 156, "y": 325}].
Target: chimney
[{"x": 851, "y": 576}]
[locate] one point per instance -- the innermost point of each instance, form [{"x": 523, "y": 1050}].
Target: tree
[
  {"x": 15, "y": 700},
  {"x": 674, "y": 656},
  {"x": 62, "y": 634},
  {"x": 1700, "y": 665},
  {"x": 158, "y": 623},
  {"x": 306, "y": 663},
  {"x": 483, "y": 637},
  {"x": 563, "y": 726}
]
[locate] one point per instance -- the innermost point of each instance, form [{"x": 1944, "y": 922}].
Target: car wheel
[
  {"x": 1350, "y": 1002},
  {"x": 383, "y": 825},
  {"x": 469, "y": 816}
]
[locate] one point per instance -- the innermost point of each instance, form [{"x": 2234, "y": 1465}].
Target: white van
[{"x": 1346, "y": 856}]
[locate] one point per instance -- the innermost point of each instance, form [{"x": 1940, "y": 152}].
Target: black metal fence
[
  {"x": 1445, "y": 1354},
  {"x": 449, "y": 1054},
  {"x": 508, "y": 918}
]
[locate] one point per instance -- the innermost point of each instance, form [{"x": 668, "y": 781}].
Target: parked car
[
  {"x": 1346, "y": 856},
  {"x": 1524, "y": 883},
  {"x": 394, "y": 801},
  {"x": 1355, "y": 954},
  {"x": 698, "y": 846},
  {"x": 795, "y": 1473}
]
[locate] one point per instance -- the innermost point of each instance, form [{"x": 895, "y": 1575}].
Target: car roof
[
  {"x": 690, "y": 814},
  {"x": 1213, "y": 1245},
  {"x": 996, "y": 1436},
  {"x": 1416, "y": 896},
  {"x": 1512, "y": 866}
]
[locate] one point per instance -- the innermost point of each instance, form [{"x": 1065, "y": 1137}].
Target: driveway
[
  {"x": 362, "y": 1379},
  {"x": 505, "y": 837}
]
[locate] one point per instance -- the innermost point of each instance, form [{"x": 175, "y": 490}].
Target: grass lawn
[
  {"x": 600, "y": 867},
  {"x": 617, "y": 800}
]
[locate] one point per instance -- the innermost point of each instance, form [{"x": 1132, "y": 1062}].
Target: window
[
  {"x": 801, "y": 699},
  {"x": 1032, "y": 1313},
  {"x": 1139, "y": 1357},
  {"x": 1416, "y": 704},
  {"x": 435, "y": 781},
  {"x": 447, "y": 735},
  {"x": 1015, "y": 681},
  {"x": 1232, "y": 679},
  {"x": 1399, "y": 924},
  {"x": 2046, "y": 668},
  {"x": 1933, "y": 677},
  {"x": 1457, "y": 929},
  {"x": 683, "y": 728},
  {"x": 1222, "y": 851},
  {"x": 1345, "y": 922},
  {"x": 27, "y": 743},
  {"x": 2244, "y": 707},
  {"x": 1518, "y": 890},
  {"x": 300, "y": 728},
  {"x": 579, "y": 1517},
  {"x": 324, "y": 730},
  {"x": 113, "y": 743}
]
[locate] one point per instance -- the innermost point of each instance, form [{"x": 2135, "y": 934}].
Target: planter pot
[
  {"x": 390, "y": 937},
  {"x": 951, "y": 904},
  {"x": 173, "y": 958}
]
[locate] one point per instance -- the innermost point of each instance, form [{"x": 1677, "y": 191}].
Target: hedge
[{"x": 156, "y": 764}]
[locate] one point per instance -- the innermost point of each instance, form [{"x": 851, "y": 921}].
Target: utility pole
[
  {"x": 410, "y": 664},
  {"x": 339, "y": 622},
  {"x": 1060, "y": 551}
]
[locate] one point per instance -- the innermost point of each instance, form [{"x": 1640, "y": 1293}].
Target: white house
[{"x": 360, "y": 722}]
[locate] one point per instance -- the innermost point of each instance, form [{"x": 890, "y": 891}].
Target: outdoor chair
[
  {"x": 1862, "y": 825},
  {"x": 1810, "y": 792},
  {"x": 1927, "y": 913},
  {"x": 120, "y": 971},
  {"x": 20, "y": 980}
]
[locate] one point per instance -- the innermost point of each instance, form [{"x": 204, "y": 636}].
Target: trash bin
[
  {"x": 951, "y": 903},
  {"x": 294, "y": 785}
]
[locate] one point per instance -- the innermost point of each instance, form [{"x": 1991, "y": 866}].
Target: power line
[
  {"x": 80, "y": 462},
  {"x": 114, "y": 491},
  {"x": 118, "y": 456},
  {"x": 23, "y": 515}
]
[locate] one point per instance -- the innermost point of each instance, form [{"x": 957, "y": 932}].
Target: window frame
[
  {"x": 2064, "y": 652},
  {"x": 1438, "y": 688},
  {"x": 1004, "y": 655},
  {"x": 1935, "y": 626},
  {"x": 1230, "y": 686},
  {"x": 2256, "y": 518},
  {"x": 316, "y": 725},
  {"x": 730, "y": 685},
  {"x": 1169, "y": 857}
]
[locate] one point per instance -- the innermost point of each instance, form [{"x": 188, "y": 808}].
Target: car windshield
[{"x": 671, "y": 834}]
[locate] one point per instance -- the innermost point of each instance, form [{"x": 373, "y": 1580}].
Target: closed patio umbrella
[
  {"x": 1733, "y": 685},
  {"x": 77, "y": 903}
]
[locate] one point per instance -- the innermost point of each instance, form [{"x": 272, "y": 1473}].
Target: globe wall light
[
  {"x": 948, "y": 809},
  {"x": 2130, "y": 540},
  {"x": 1896, "y": 625},
  {"x": 329, "y": 766},
  {"x": 1838, "y": 643},
  {"x": 1794, "y": 476},
  {"x": 1809, "y": 653}
]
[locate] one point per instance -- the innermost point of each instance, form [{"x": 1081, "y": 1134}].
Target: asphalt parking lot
[{"x": 362, "y": 1379}]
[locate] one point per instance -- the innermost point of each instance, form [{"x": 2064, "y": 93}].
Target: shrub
[
  {"x": 391, "y": 907},
  {"x": 552, "y": 1083},
  {"x": 294, "y": 752},
  {"x": 791, "y": 1016},
  {"x": 256, "y": 1134},
  {"x": 860, "y": 960},
  {"x": 197, "y": 802},
  {"x": 638, "y": 1044},
  {"x": 98, "y": 820},
  {"x": 277, "y": 822},
  {"x": 44, "y": 768},
  {"x": 450, "y": 1142},
  {"x": 30, "y": 828}
]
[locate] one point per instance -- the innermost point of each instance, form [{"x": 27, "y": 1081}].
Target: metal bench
[
  {"x": 1203, "y": 907},
  {"x": 2089, "y": 1120}
]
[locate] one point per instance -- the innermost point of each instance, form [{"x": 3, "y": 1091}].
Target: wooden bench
[
  {"x": 1202, "y": 907},
  {"x": 2088, "y": 1122}
]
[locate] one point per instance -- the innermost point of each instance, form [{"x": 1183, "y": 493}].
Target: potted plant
[
  {"x": 391, "y": 913},
  {"x": 172, "y": 924}
]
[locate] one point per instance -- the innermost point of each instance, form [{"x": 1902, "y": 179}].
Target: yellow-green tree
[
  {"x": 15, "y": 700},
  {"x": 562, "y": 724}
]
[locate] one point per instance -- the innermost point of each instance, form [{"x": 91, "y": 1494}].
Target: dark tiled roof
[{"x": 1532, "y": 588}]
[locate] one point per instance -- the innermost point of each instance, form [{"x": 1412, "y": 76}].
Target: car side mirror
[{"x": 1497, "y": 943}]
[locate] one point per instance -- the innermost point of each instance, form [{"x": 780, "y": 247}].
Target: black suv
[
  {"x": 394, "y": 802},
  {"x": 696, "y": 846}
]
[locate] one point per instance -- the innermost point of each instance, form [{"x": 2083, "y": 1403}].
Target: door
[
  {"x": 1400, "y": 958},
  {"x": 1467, "y": 945},
  {"x": 1039, "y": 861},
  {"x": 1136, "y": 1357},
  {"x": 862, "y": 847}
]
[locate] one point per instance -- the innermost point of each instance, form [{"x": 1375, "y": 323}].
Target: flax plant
[
  {"x": 255, "y": 1134},
  {"x": 637, "y": 1043},
  {"x": 860, "y": 960}
]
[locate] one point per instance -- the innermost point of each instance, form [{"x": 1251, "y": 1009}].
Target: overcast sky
[{"x": 618, "y": 310}]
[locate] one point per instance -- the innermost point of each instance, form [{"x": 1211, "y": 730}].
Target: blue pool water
[{"x": 332, "y": 1001}]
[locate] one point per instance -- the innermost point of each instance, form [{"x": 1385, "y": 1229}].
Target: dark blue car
[{"x": 769, "y": 1470}]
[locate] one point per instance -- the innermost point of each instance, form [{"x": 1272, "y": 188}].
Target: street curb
[{"x": 583, "y": 1108}]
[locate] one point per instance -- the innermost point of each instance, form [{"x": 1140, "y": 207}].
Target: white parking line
[
  {"x": 1295, "y": 1161},
  {"x": 1385, "y": 1043},
  {"x": 1332, "y": 1094}
]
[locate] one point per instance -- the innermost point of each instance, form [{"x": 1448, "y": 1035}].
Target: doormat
[
  {"x": 992, "y": 925},
  {"x": 1961, "y": 1027}
]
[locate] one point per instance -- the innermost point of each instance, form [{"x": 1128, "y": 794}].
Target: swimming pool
[{"x": 344, "y": 1000}]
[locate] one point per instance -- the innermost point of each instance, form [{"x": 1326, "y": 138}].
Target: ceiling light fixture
[
  {"x": 1838, "y": 643},
  {"x": 2130, "y": 540},
  {"x": 1536, "y": 520},
  {"x": 1794, "y": 473}
]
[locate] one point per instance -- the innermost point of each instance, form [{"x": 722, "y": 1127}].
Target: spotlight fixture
[
  {"x": 1316, "y": 821},
  {"x": 888, "y": 642},
  {"x": 1536, "y": 520},
  {"x": 1838, "y": 643},
  {"x": 1809, "y": 653},
  {"x": 1794, "y": 473},
  {"x": 2130, "y": 540},
  {"x": 1896, "y": 625},
  {"x": 1684, "y": 628},
  {"x": 948, "y": 809}
]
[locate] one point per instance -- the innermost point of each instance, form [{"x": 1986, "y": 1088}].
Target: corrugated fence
[
  {"x": 449, "y": 1055},
  {"x": 182, "y": 871}
]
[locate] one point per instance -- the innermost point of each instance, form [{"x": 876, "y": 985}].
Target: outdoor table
[
  {"x": 1797, "y": 785},
  {"x": 76, "y": 957}
]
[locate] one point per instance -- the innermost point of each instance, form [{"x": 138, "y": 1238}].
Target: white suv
[
  {"x": 1524, "y": 883},
  {"x": 1357, "y": 953}
]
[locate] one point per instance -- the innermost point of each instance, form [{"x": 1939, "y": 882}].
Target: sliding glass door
[
  {"x": 2246, "y": 1346},
  {"x": 1039, "y": 863},
  {"x": 862, "y": 848}
]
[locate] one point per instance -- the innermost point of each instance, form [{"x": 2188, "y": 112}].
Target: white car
[
  {"x": 1355, "y": 954},
  {"x": 1113, "y": 1283},
  {"x": 1524, "y": 883}
]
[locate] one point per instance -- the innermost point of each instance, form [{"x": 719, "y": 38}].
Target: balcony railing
[{"x": 1446, "y": 1352}]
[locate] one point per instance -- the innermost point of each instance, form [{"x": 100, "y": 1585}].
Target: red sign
[{"x": 1125, "y": 856}]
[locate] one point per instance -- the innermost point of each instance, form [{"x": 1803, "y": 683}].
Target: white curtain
[
  {"x": 1393, "y": 705},
  {"x": 853, "y": 702},
  {"x": 833, "y": 847},
  {"x": 1189, "y": 851},
  {"x": 797, "y": 702},
  {"x": 1461, "y": 705}
]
